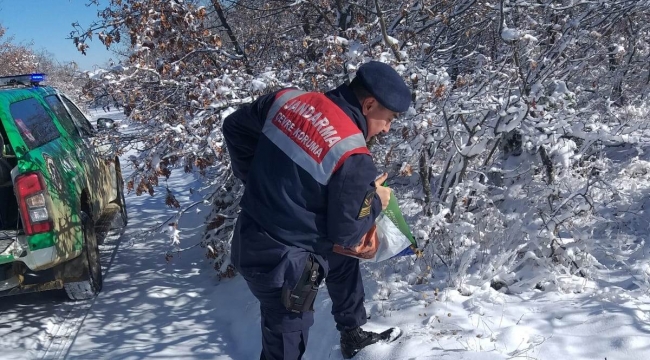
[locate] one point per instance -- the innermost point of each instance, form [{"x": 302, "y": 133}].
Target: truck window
[
  {"x": 36, "y": 126},
  {"x": 78, "y": 117},
  {"x": 62, "y": 114}
]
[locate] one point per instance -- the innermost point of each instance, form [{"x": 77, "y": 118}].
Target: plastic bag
[
  {"x": 392, "y": 241},
  {"x": 392, "y": 234},
  {"x": 393, "y": 212}
]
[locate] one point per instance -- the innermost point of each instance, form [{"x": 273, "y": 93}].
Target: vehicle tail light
[{"x": 32, "y": 199}]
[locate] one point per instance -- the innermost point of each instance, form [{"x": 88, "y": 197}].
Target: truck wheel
[{"x": 92, "y": 280}]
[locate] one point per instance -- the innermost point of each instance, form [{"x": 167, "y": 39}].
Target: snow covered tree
[
  {"x": 517, "y": 105},
  {"x": 22, "y": 59},
  {"x": 15, "y": 59}
]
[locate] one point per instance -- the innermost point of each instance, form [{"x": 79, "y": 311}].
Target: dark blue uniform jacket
[{"x": 286, "y": 214}]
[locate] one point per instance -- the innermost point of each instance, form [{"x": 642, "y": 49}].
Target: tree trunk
[
  {"x": 424, "y": 177},
  {"x": 384, "y": 33},
  {"x": 548, "y": 164},
  {"x": 231, "y": 35}
]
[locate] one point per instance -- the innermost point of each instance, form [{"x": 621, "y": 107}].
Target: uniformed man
[{"x": 311, "y": 195}]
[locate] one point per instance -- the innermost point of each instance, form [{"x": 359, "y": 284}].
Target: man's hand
[{"x": 383, "y": 191}]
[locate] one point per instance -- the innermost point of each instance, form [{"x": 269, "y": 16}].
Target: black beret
[{"x": 385, "y": 85}]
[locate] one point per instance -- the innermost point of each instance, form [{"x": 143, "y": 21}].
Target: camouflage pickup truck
[{"x": 55, "y": 188}]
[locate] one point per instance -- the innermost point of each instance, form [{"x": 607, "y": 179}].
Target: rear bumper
[
  {"x": 16, "y": 250},
  {"x": 23, "y": 289},
  {"x": 18, "y": 279},
  {"x": 41, "y": 258},
  {"x": 15, "y": 246},
  {"x": 9, "y": 283}
]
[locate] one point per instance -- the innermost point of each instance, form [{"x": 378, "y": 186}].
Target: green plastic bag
[{"x": 394, "y": 213}]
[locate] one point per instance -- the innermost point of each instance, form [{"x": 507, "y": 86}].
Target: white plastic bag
[{"x": 391, "y": 240}]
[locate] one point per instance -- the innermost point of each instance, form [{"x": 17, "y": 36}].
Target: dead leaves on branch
[
  {"x": 440, "y": 91},
  {"x": 202, "y": 163},
  {"x": 109, "y": 39},
  {"x": 406, "y": 170},
  {"x": 147, "y": 183},
  {"x": 165, "y": 172},
  {"x": 170, "y": 200},
  {"x": 215, "y": 223},
  {"x": 149, "y": 23}
]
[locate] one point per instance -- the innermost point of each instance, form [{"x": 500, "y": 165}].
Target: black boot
[{"x": 352, "y": 341}]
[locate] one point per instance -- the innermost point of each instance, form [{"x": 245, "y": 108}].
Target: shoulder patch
[{"x": 366, "y": 206}]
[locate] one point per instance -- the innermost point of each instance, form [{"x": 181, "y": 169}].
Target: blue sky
[{"x": 47, "y": 23}]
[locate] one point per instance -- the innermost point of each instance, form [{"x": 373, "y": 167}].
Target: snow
[
  {"x": 151, "y": 308},
  {"x": 392, "y": 41},
  {"x": 530, "y": 38},
  {"x": 97, "y": 74},
  {"x": 509, "y": 34},
  {"x": 476, "y": 148},
  {"x": 258, "y": 85},
  {"x": 338, "y": 40},
  {"x": 355, "y": 51}
]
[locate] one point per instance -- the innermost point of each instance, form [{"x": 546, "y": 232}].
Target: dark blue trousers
[{"x": 285, "y": 334}]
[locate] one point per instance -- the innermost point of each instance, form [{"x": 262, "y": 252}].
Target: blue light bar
[
  {"x": 38, "y": 78},
  {"x": 24, "y": 79}
]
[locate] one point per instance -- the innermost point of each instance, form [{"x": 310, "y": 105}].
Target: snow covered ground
[{"x": 154, "y": 309}]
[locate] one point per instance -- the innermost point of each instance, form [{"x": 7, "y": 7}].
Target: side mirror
[{"x": 105, "y": 123}]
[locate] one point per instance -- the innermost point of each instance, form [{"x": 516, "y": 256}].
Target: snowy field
[{"x": 154, "y": 309}]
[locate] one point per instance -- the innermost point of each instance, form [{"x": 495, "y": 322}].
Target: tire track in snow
[{"x": 62, "y": 334}]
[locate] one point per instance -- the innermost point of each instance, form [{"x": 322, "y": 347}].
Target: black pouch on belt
[{"x": 302, "y": 297}]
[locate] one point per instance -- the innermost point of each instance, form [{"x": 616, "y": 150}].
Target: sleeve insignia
[{"x": 366, "y": 206}]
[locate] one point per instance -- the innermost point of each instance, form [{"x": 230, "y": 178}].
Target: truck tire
[{"x": 92, "y": 279}]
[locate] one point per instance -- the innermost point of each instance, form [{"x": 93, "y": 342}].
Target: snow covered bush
[{"x": 513, "y": 163}]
